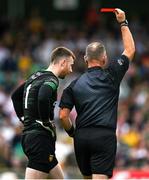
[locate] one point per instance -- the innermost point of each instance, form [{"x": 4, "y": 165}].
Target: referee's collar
[{"x": 94, "y": 68}]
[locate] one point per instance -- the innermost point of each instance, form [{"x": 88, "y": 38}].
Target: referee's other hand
[{"x": 120, "y": 15}]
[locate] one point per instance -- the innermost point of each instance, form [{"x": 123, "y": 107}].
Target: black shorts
[
  {"x": 40, "y": 150},
  {"x": 95, "y": 150}
]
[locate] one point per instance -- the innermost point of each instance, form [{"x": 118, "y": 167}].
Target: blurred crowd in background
[{"x": 25, "y": 47}]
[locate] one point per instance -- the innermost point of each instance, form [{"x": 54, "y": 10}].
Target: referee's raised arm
[{"x": 128, "y": 42}]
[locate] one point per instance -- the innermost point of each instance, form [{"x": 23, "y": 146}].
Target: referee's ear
[{"x": 86, "y": 59}]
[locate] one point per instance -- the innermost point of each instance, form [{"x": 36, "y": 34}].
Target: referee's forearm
[
  {"x": 128, "y": 42},
  {"x": 64, "y": 118},
  {"x": 66, "y": 123},
  {"x": 68, "y": 126}
]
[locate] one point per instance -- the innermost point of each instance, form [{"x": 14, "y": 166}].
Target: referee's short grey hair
[{"x": 94, "y": 51}]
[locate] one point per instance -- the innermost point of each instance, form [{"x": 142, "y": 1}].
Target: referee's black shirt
[{"x": 95, "y": 95}]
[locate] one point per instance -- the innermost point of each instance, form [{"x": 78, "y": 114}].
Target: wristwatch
[{"x": 124, "y": 23}]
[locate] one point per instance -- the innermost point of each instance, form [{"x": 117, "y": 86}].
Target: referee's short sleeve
[
  {"x": 119, "y": 67},
  {"x": 67, "y": 98}
]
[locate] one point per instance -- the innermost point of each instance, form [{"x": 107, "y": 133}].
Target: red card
[{"x": 107, "y": 10}]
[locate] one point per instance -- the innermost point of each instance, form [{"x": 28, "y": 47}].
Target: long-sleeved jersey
[{"x": 35, "y": 99}]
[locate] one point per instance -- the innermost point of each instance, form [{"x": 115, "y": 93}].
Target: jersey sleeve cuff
[{"x": 125, "y": 58}]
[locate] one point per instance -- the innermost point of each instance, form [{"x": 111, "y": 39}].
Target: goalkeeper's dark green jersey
[{"x": 34, "y": 100}]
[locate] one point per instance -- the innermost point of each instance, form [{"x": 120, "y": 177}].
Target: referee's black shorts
[
  {"x": 95, "y": 149},
  {"x": 40, "y": 150}
]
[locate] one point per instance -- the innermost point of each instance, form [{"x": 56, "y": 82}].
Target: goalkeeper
[{"x": 34, "y": 105}]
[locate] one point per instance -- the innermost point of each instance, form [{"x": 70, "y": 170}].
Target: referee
[
  {"x": 34, "y": 105},
  {"x": 95, "y": 96}
]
